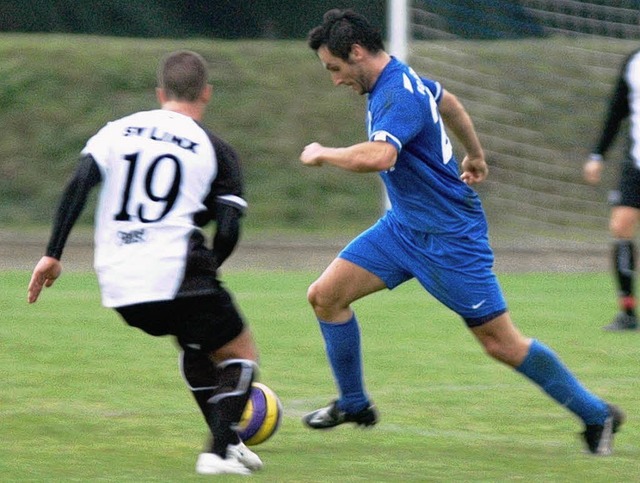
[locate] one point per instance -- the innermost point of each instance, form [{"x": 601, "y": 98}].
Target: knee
[
  {"x": 326, "y": 303},
  {"x": 617, "y": 228},
  {"x": 316, "y": 296},
  {"x": 622, "y": 225}
]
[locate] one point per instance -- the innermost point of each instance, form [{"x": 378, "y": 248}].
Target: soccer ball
[{"x": 261, "y": 417}]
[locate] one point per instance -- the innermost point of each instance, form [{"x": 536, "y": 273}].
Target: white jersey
[{"x": 158, "y": 167}]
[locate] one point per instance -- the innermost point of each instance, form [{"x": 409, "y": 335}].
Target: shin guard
[{"x": 228, "y": 400}]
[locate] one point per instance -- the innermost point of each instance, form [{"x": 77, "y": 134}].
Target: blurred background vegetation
[
  {"x": 270, "y": 99},
  {"x": 229, "y": 19},
  {"x": 536, "y": 94}
]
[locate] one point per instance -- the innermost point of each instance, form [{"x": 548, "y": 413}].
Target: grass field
[{"x": 85, "y": 398}]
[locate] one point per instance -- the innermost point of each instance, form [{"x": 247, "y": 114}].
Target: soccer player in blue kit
[{"x": 435, "y": 230}]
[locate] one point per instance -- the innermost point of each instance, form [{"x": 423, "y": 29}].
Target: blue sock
[
  {"x": 342, "y": 343},
  {"x": 544, "y": 368}
]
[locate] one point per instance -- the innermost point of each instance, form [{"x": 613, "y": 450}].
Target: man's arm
[
  {"x": 86, "y": 176},
  {"x": 618, "y": 111},
  {"x": 225, "y": 203},
  {"x": 74, "y": 198},
  {"x": 227, "y": 231},
  {"x": 367, "y": 157},
  {"x": 457, "y": 119}
]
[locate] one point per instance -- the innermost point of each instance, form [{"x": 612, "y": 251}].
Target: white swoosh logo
[{"x": 479, "y": 304}]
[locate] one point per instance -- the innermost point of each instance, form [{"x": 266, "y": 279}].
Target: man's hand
[
  {"x": 46, "y": 272},
  {"x": 592, "y": 171},
  {"x": 474, "y": 170},
  {"x": 311, "y": 154}
]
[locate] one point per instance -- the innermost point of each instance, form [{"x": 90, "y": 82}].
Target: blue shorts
[{"x": 456, "y": 270}]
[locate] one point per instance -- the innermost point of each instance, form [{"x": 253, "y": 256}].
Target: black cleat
[
  {"x": 599, "y": 438},
  {"x": 331, "y": 416},
  {"x": 622, "y": 321}
]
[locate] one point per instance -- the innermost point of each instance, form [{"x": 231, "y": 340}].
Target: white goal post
[{"x": 398, "y": 28}]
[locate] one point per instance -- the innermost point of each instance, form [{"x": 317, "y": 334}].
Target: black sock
[
  {"x": 624, "y": 265},
  {"x": 201, "y": 376}
]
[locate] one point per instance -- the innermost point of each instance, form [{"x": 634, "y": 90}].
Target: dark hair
[
  {"x": 183, "y": 75},
  {"x": 340, "y": 29}
]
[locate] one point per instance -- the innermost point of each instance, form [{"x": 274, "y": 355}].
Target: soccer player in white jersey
[
  {"x": 625, "y": 212},
  {"x": 163, "y": 177},
  {"x": 435, "y": 230}
]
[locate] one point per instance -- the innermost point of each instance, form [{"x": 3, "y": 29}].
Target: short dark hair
[
  {"x": 183, "y": 75},
  {"x": 341, "y": 29}
]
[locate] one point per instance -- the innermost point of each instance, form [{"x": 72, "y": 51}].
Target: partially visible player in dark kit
[
  {"x": 625, "y": 212},
  {"x": 163, "y": 177}
]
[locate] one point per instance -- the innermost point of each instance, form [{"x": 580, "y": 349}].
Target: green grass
[{"x": 85, "y": 398}]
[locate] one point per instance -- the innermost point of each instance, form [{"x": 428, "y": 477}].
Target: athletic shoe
[
  {"x": 622, "y": 321},
  {"x": 331, "y": 416},
  {"x": 212, "y": 464},
  {"x": 599, "y": 438},
  {"x": 244, "y": 455}
]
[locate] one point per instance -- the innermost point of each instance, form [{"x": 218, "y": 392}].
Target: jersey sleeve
[
  {"x": 86, "y": 176},
  {"x": 399, "y": 115},
  {"x": 435, "y": 88},
  {"x": 225, "y": 202},
  {"x": 227, "y": 187},
  {"x": 99, "y": 144},
  {"x": 617, "y": 111}
]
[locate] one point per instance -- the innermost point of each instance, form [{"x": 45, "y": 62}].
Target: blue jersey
[{"x": 424, "y": 186}]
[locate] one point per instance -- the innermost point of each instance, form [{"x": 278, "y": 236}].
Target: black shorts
[
  {"x": 628, "y": 187},
  {"x": 208, "y": 322}
]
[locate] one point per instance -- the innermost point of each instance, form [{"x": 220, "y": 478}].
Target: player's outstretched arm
[
  {"x": 366, "y": 157},
  {"x": 48, "y": 269},
  {"x": 44, "y": 274}
]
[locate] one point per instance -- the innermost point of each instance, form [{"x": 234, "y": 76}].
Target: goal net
[{"x": 535, "y": 75}]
